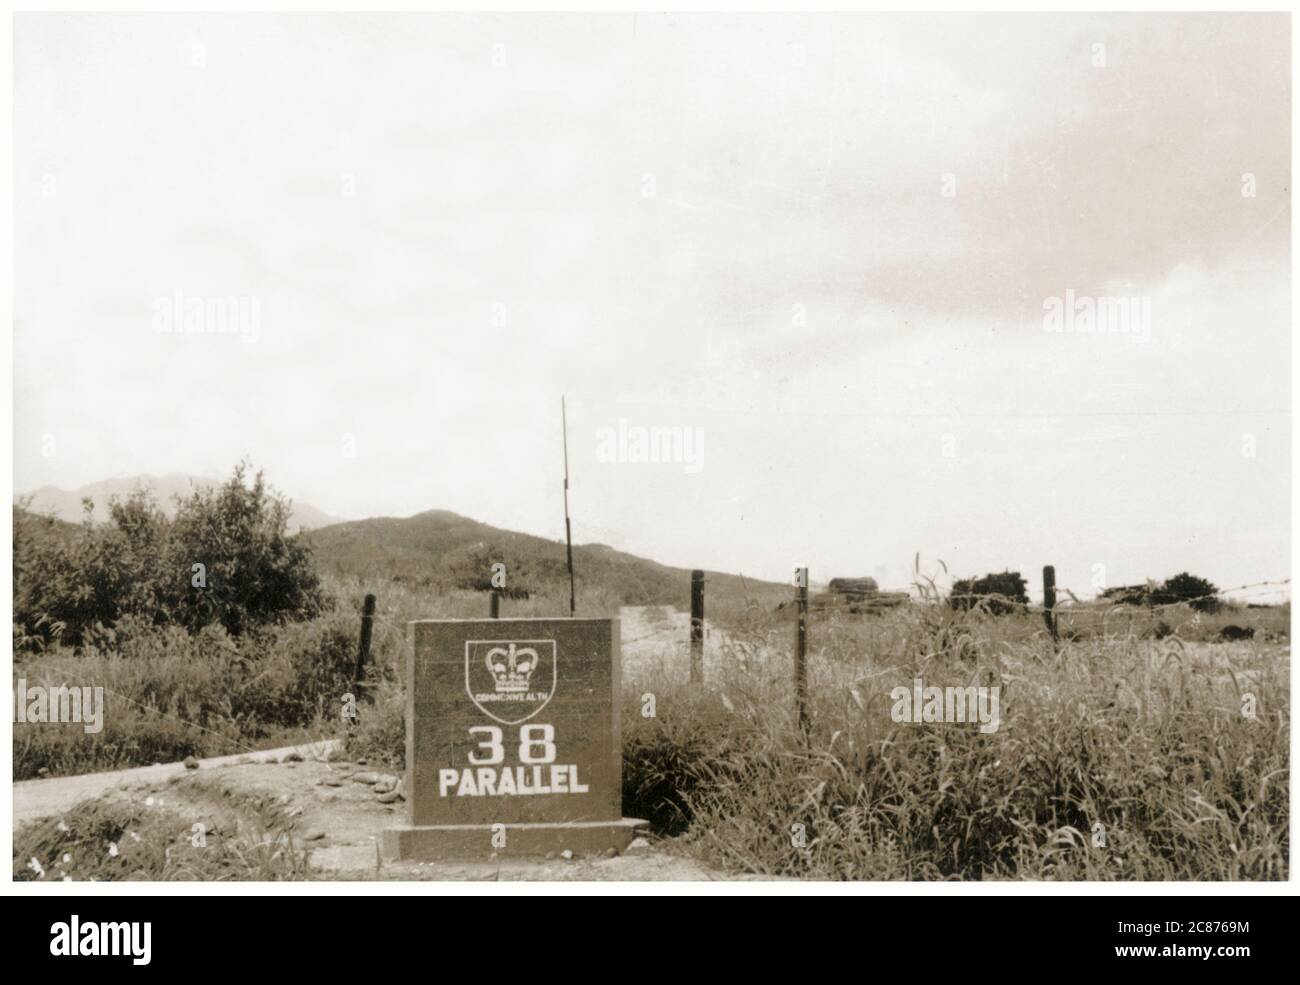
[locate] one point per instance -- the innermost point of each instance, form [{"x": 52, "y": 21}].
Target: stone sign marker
[{"x": 512, "y": 740}]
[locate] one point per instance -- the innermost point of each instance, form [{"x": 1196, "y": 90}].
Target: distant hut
[
  {"x": 863, "y": 595},
  {"x": 854, "y": 588}
]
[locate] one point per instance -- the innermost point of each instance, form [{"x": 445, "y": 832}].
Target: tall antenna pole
[{"x": 568, "y": 530}]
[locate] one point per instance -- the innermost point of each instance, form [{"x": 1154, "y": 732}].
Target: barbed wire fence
[
  {"x": 1101, "y": 611},
  {"x": 1096, "y": 609}
]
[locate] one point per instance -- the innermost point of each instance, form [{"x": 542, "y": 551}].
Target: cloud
[{"x": 737, "y": 222}]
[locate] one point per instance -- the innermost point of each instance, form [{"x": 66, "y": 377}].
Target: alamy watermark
[
  {"x": 973, "y": 703},
  {"x": 637, "y": 444},
  {"x": 59, "y": 705},
  {"x": 102, "y": 938},
  {"x": 1081, "y": 314},
  {"x": 181, "y": 314}
]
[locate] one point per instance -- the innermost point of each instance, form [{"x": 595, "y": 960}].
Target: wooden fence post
[
  {"x": 363, "y": 652},
  {"x": 697, "y": 627},
  {"x": 801, "y": 648},
  {"x": 1049, "y": 601}
]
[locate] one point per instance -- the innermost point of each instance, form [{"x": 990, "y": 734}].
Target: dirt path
[
  {"x": 332, "y": 811},
  {"x": 655, "y": 643},
  {"x": 35, "y": 799}
]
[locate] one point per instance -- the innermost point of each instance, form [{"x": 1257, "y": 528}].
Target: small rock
[
  {"x": 363, "y": 762},
  {"x": 328, "y": 798},
  {"x": 638, "y": 845},
  {"x": 292, "y": 757},
  {"x": 368, "y": 778},
  {"x": 316, "y": 834},
  {"x": 191, "y": 763},
  {"x": 611, "y": 853},
  {"x": 290, "y": 766},
  {"x": 566, "y": 854},
  {"x": 331, "y": 781},
  {"x": 388, "y": 798}
]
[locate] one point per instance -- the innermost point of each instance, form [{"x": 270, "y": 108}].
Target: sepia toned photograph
[{"x": 630, "y": 448}]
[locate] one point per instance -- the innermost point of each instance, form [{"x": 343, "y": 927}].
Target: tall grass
[
  {"x": 1115, "y": 759},
  {"x": 1125, "y": 755},
  {"x": 169, "y": 694},
  {"x": 114, "y": 840},
  {"x": 1119, "y": 757}
]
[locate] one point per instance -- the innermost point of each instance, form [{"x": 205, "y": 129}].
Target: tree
[
  {"x": 232, "y": 561},
  {"x": 1199, "y": 593},
  {"x": 226, "y": 557},
  {"x": 999, "y": 594}
]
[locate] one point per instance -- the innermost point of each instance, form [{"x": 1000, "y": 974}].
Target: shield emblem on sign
[{"x": 510, "y": 680}]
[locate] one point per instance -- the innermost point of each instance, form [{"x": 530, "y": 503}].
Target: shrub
[
  {"x": 226, "y": 558},
  {"x": 255, "y": 572},
  {"x": 1199, "y": 593},
  {"x": 379, "y": 733},
  {"x": 1000, "y": 594}
]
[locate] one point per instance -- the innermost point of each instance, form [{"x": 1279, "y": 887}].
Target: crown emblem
[{"x": 511, "y": 668}]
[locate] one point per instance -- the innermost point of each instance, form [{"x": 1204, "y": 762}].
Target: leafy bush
[
  {"x": 379, "y": 733},
  {"x": 255, "y": 572},
  {"x": 1000, "y": 594},
  {"x": 1199, "y": 593},
  {"x": 224, "y": 559}
]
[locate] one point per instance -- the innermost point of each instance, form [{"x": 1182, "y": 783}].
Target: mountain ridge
[
  {"x": 434, "y": 549},
  {"x": 66, "y": 504},
  {"x": 442, "y": 550}
]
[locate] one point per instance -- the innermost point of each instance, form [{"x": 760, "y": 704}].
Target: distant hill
[
  {"x": 439, "y": 549},
  {"x": 42, "y": 528},
  {"x": 66, "y": 504},
  {"x": 436, "y": 550}
]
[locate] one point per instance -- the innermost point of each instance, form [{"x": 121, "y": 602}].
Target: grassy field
[
  {"x": 1116, "y": 758},
  {"x": 1119, "y": 757},
  {"x": 1142, "y": 748}
]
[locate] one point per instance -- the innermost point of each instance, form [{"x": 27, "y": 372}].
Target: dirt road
[
  {"x": 35, "y": 799},
  {"x": 655, "y": 643}
]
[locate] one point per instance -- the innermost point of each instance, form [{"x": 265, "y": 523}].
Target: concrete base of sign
[{"x": 463, "y": 841}]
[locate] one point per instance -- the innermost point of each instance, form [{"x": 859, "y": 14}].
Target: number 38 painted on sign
[{"x": 493, "y": 752}]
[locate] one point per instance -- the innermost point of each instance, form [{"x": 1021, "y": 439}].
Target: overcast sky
[{"x": 826, "y": 242}]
